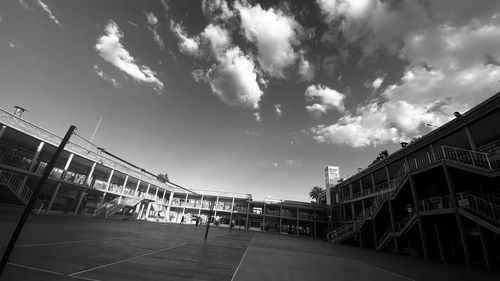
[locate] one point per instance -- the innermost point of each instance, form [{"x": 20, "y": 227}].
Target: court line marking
[
  {"x": 37, "y": 269},
  {"x": 128, "y": 259},
  {"x": 242, "y": 258},
  {"x": 388, "y": 271},
  {"x": 62, "y": 243}
]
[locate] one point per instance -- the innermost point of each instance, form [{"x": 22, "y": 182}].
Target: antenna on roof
[{"x": 19, "y": 110}]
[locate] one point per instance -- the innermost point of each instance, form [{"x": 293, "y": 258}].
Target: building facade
[
  {"x": 437, "y": 198},
  {"x": 92, "y": 182}
]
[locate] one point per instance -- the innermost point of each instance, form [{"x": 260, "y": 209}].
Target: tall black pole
[
  {"x": 209, "y": 217},
  {"x": 34, "y": 196}
]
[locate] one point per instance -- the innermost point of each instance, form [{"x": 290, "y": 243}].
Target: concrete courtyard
[{"x": 77, "y": 248}]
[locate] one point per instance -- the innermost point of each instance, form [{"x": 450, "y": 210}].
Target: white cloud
[
  {"x": 152, "y": 19},
  {"x": 216, "y": 9},
  {"x": 452, "y": 55},
  {"x": 106, "y": 77},
  {"x": 187, "y": 44},
  {"x": 306, "y": 69},
  {"x": 217, "y": 38},
  {"x": 378, "y": 82},
  {"x": 48, "y": 11},
  {"x": 153, "y": 27},
  {"x": 257, "y": 117},
  {"x": 274, "y": 33},
  {"x": 277, "y": 110},
  {"x": 112, "y": 50},
  {"x": 324, "y": 99},
  {"x": 234, "y": 79}
]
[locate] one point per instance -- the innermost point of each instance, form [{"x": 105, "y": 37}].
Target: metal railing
[
  {"x": 464, "y": 156},
  {"x": 478, "y": 205},
  {"x": 22, "y": 191},
  {"x": 384, "y": 236},
  {"x": 435, "y": 203}
]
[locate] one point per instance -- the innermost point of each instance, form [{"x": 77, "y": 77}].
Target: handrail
[
  {"x": 481, "y": 206},
  {"x": 15, "y": 184}
]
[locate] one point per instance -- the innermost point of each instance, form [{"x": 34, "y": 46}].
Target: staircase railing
[
  {"x": 24, "y": 193},
  {"x": 478, "y": 205},
  {"x": 464, "y": 156},
  {"x": 384, "y": 237},
  {"x": 435, "y": 203}
]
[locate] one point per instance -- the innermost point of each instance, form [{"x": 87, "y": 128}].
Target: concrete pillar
[
  {"x": 216, "y": 205},
  {"x": 353, "y": 212},
  {"x": 170, "y": 198},
  {"x": 360, "y": 238},
  {"x": 54, "y": 195},
  {"x": 297, "y": 226},
  {"x": 458, "y": 217},
  {"x": 163, "y": 197},
  {"x": 375, "y": 238},
  {"x": 147, "y": 190},
  {"x": 351, "y": 191},
  {"x": 433, "y": 152},
  {"x": 419, "y": 219},
  {"x": 32, "y": 165},
  {"x": 109, "y": 180},
  {"x": 472, "y": 143},
  {"x": 363, "y": 206},
  {"x": 82, "y": 194},
  {"x": 137, "y": 187},
  {"x": 484, "y": 246},
  {"x": 89, "y": 176},
  {"x": 393, "y": 227},
  {"x": 201, "y": 206},
  {"x": 231, "y": 214},
  {"x": 2, "y": 131},
  {"x": 156, "y": 192},
  {"x": 141, "y": 209},
  {"x": 373, "y": 180},
  {"x": 124, "y": 184},
  {"x": 438, "y": 238},
  {"x": 147, "y": 210},
  {"x": 248, "y": 211}
]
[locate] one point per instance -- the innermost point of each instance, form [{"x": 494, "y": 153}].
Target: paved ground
[{"x": 75, "y": 248}]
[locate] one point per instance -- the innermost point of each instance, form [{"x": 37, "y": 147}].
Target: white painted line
[
  {"x": 128, "y": 259},
  {"x": 61, "y": 243},
  {"x": 242, "y": 258},
  {"x": 37, "y": 269},
  {"x": 390, "y": 272}
]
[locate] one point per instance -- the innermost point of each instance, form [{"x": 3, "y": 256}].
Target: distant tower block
[
  {"x": 18, "y": 111},
  {"x": 332, "y": 176}
]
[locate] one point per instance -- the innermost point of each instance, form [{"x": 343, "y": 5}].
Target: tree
[
  {"x": 381, "y": 155},
  {"x": 315, "y": 192},
  {"x": 162, "y": 177}
]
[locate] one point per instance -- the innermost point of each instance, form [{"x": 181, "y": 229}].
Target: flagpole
[{"x": 95, "y": 131}]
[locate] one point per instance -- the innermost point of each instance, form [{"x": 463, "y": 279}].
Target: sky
[{"x": 248, "y": 96}]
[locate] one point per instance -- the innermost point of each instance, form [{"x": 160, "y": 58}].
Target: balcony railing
[
  {"x": 480, "y": 206},
  {"x": 435, "y": 203}
]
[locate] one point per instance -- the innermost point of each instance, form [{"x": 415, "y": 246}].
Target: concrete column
[
  {"x": 217, "y": 204},
  {"x": 419, "y": 219},
  {"x": 32, "y": 165},
  {"x": 138, "y": 207},
  {"x": 248, "y": 211},
  {"x": 363, "y": 206},
  {"x": 2, "y": 130},
  {"x": 387, "y": 175},
  {"x": 82, "y": 194},
  {"x": 484, "y": 246},
  {"x": 137, "y": 187},
  {"x": 360, "y": 238},
  {"x": 314, "y": 222},
  {"x": 393, "y": 227},
  {"x": 297, "y": 226},
  {"x": 201, "y": 206},
  {"x": 351, "y": 191},
  {"x": 147, "y": 210},
  {"x": 231, "y": 214},
  {"x": 360, "y": 185},
  {"x": 89, "y": 176},
  {"x": 147, "y": 190},
  {"x": 472, "y": 143},
  {"x": 281, "y": 211},
  {"x": 54, "y": 195},
  {"x": 139, "y": 214},
  {"x": 170, "y": 198},
  {"x": 438, "y": 238},
  {"x": 433, "y": 152},
  {"x": 163, "y": 197},
  {"x": 156, "y": 192},
  {"x": 375, "y": 238},
  {"x": 353, "y": 212},
  {"x": 124, "y": 184},
  {"x": 458, "y": 217},
  {"x": 109, "y": 180}
]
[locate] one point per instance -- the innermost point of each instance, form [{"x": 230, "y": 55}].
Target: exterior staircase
[
  {"x": 116, "y": 205},
  {"x": 467, "y": 158},
  {"x": 13, "y": 184}
]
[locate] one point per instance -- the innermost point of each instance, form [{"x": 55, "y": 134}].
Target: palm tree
[{"x": 315, "y": 192}]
